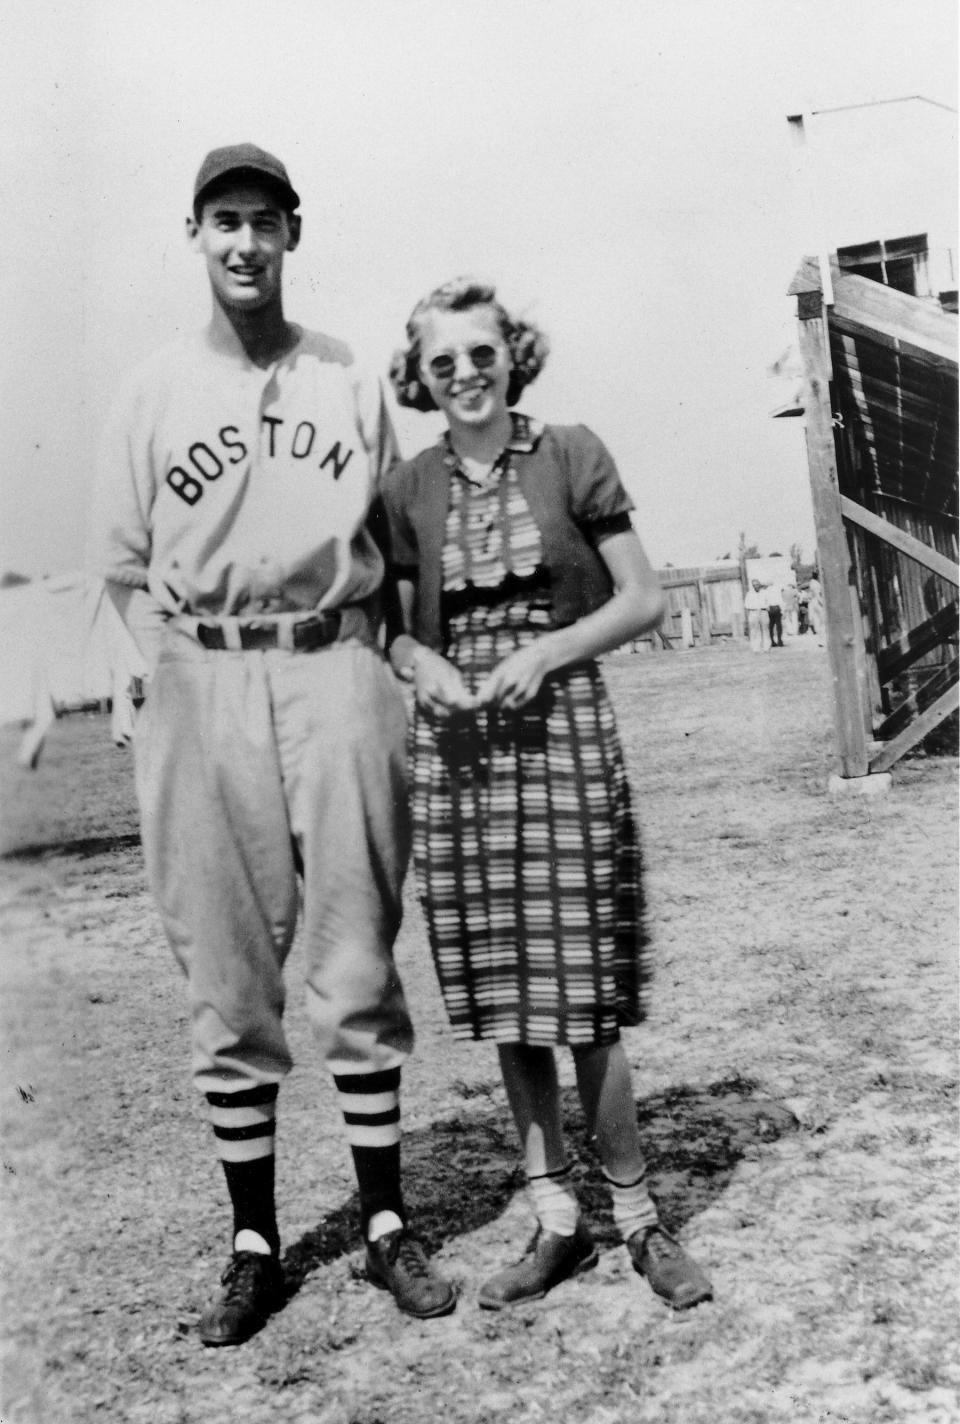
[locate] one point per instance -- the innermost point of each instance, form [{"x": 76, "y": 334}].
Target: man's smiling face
[{"x": 243, "y": 233}]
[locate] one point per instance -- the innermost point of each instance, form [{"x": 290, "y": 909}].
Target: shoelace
[
  {"x": 241, "y": 1276},
  {"x": 407, "y": 1252},
  {"x": 659, "y": 1245},
  {"x": 534, "y": 1243}
]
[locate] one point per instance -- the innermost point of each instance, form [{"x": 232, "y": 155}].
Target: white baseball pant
[{"x": 252, "y": 766}]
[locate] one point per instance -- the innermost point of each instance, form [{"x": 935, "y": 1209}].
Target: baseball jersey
[{"x": 225, "y": 489}]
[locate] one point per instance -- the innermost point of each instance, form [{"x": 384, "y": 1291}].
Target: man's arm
[
  {"x": 120, "y": 538},
  {"x": 144, "y": 619}
]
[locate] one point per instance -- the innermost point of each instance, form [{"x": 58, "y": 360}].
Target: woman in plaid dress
[{"x": 517, "y": 566}]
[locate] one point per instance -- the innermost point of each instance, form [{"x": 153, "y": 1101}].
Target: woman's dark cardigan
[{"x": 574, "y": 493}]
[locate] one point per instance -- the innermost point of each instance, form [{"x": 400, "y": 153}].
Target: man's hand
[{"x": 439, "y": 687}]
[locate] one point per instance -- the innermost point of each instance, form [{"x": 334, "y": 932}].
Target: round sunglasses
[{"x": 482, "y": 357}]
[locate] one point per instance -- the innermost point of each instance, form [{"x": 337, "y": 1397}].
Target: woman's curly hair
[{"x": 527, "y": 345}]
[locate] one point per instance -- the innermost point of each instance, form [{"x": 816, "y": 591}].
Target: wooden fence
[
  {"x": 703, "y": 604},
  {"x": 880, "y": 405}
]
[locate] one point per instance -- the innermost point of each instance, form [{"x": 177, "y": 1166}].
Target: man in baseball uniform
[{"x": 231, "y": 512}]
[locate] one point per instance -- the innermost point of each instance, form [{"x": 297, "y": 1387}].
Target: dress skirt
[{"x": 526, "y": 850}]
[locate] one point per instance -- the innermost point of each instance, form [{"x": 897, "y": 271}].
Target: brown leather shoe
[
  {"x": 548, "y": 1260},
  {"x": 672, "y": 1274},
  {"x": 252, "y": 1291},
  {"x": 398, "y": 1263}
]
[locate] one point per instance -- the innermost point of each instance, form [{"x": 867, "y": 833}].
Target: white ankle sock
[
  {"x": 555, "y": 1201},
  {"x": 381, "y": 1222},
  {"x": 633, "y": 1207},
  {"x": 248, "y": 1240}
]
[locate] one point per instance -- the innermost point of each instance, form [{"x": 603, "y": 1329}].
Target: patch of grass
[{"x": 796, "y": 1095}]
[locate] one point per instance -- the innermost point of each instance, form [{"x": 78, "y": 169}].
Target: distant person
[
  {"x": 238, "y": 471},
  {"x": 518, "y": 566},
  {"x": 815, "y": 610},
  {"x": 803, "y": 610},
  {"x": 773, "y": 603},
  {"x": 757, "y": 622},
  {"x": 790, "y": 609}
]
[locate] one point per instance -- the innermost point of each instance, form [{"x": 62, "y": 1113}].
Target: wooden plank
[
  {"x": 922, "y": 326},
  {"x": 873, "y": 308},
  {"x": 806, "y": 278},
  {"x": 900, "y": 539},
  {"x": 705, "y": 626},
  {"x": 866, "y": 666},
  {"x": 682, "y": 578},
  {"x": 874, "y": 635},
  {"x": 888, "y": 337},
  {"x": 895, "y": 659},
  {"x": 919, "y": 701},
  {"x": 948, "y": 702},
  {"x": 722, "y": 575},
  {"x": 832, "y": 550}
]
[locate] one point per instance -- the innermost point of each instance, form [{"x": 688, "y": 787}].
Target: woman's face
[{"x": 466, "y": 366}]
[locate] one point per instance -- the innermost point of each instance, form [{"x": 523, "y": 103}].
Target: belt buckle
[
  {"x": 210, "y": 636},
  {"x": 316, "y": 630},
  {"x": 257, "y": 634},
  {"x": 319, "y": 630},
  {"x": 248, "y": 636}
]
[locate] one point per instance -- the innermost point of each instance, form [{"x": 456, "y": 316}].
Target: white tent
[
  {"x": 63, "y": 646},
  {"x": 776, "y": 568}
]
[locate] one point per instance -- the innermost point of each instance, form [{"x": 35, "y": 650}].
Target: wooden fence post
[
  {"x": 833, "y": 554},
  {"x": 705, "y": 628}
]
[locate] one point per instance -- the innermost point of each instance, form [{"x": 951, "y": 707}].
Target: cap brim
[{"x": 291, "y": 198}]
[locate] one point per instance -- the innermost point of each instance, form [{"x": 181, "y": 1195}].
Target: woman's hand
[
  {"x": 438, "y": 685},
  {"x": 516, "y": 681}
]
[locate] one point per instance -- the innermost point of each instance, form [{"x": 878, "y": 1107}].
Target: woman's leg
[
  {"x": 562, "y": 1246},
  {"x": 606, "y": 1092},
  {"x": 530, "y": 1078},
  {"x": 533, "y": 1092}
]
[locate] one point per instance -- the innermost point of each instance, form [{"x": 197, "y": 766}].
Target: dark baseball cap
[{"x": 238, "y": 159}]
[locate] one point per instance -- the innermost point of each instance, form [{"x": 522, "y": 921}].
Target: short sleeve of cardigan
[
  {"x": 597, "y": 494},
  {"x": 402, "y": 550}
]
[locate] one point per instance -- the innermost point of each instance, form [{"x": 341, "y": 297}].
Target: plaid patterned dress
[{"x": 525, "y": 846}]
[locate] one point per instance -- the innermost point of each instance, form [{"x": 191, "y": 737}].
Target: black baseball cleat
[
  {"x": 672, "y": 1274},
  {"x": 548, "y": 1260},
  {"x": 398, "y": 1263},
  {"x": 252, "y": 1291}
]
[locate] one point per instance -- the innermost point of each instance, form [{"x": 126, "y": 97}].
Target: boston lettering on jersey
[{"x": 206, "y": 460}]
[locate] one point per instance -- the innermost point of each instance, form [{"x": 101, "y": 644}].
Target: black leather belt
[{"x": 308, "y": 634}]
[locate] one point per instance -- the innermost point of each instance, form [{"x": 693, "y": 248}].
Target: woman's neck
[{"x": 483, "y": 445}]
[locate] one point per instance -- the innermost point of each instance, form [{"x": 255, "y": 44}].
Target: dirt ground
[{"x": 796, "y": 1091}]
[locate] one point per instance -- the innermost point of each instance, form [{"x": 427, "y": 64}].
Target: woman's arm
[
  {"x": 636, "y": 606},
  {"x": 438, "y": 685}
]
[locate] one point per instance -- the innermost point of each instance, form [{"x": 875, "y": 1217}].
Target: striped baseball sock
[
  {"x": 633, "y": 1207},
  {"x": 244, "y": 1125},
  {"x": 555, "y": 1201},
  {"x": 370, "y": 1103}
]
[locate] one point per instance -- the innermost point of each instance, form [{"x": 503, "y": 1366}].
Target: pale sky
[{"x": 622, "y": 169}]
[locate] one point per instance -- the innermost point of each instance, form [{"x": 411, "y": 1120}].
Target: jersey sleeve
[
  {"x": 376, "y": 426},
  {"x": 119, "y": 542},
  {"x": 119, "y": 537}
]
